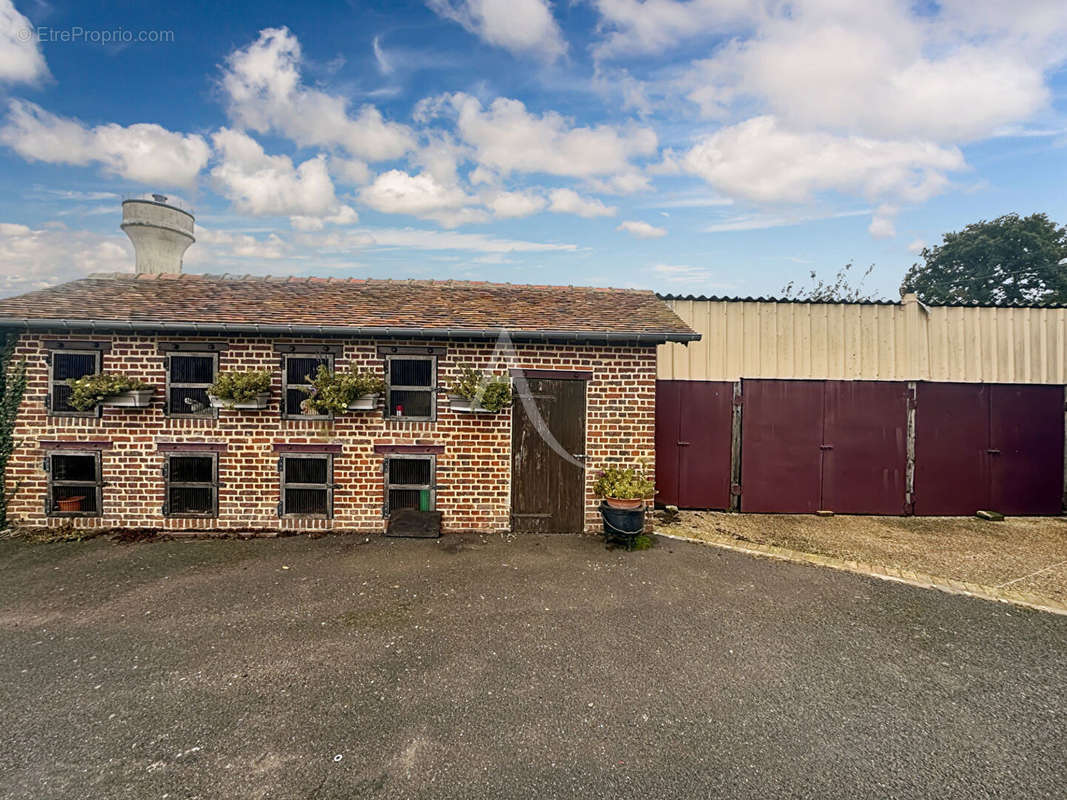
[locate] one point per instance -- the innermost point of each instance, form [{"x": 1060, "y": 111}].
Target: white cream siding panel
[{"x": 889, "y": 341}]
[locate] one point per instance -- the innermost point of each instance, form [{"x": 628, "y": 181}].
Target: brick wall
[{"x": 474, "y": 467}]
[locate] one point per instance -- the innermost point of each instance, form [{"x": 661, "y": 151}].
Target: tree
[
  {"x": 839, "y": 290},
  {"x": 1010, "y": 260}
]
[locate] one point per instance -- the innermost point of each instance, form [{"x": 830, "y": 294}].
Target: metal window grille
[
  {"x": 75, "y": 486},
  {"x": 409, "y": 483},
  {"x": 191, "y": 485},
  {"x": 189, "y": 376},
  {"x": 306, "y": 486},
  {"x": 411, "y": 387},
  {"x": 297, "y": 372},
  {"x": 64, "y": 365}
]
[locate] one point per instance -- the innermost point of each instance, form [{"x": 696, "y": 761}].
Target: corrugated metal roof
[{"x": 736, "y": 299}]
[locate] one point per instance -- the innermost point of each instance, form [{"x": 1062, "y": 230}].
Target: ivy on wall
[{"x": 12, "y": 388}]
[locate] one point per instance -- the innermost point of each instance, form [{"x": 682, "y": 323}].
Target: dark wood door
[{"x": 547, "y": 479}]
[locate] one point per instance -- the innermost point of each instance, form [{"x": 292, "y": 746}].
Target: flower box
[
  {"x": 260, "y": 401},
  {"x": 365, "y": 402},
  {"x": 135, "y": 398},
  {"x": 463, "y": 405}
]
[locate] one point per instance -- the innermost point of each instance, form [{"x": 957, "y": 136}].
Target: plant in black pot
[{"x": 624, "y": 491}]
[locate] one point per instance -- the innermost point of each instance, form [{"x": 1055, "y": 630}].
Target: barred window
[
  {"x": 409, "y": 483},
  {"x": 192, "y": 485},
  {"x": 75, "y": 486},
  {"x": 189, "y": 376},
  {"x": 306, "y": 485},
  {"x": 411, "y": 387},
  {"x": 297, "y": 372},
  {"x": 69, "y": 364}
]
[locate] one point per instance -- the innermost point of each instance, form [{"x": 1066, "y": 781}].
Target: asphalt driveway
[{"x": 536, "y": 667}]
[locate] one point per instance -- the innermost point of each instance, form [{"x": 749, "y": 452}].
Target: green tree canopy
[{"x": 1012, "y": 259}]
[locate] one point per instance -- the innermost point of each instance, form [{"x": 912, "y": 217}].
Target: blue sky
[{"x": 722, "y": 147}]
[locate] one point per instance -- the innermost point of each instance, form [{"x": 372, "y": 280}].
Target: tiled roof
[{"x": 338, "y": 306}]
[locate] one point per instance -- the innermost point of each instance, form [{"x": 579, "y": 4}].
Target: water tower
[{"x": 160, "y": 232}]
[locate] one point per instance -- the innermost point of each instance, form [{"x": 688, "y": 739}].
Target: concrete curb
[{"x": 918, "y": 579}]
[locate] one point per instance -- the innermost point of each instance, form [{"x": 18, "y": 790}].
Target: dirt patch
[{"x": 1027, "y": 553}]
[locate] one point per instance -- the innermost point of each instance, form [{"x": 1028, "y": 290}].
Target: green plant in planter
[
  {"x": 92, "y": 389},
  {"x": 334, "y": 392},
  {"x": 491, "y": 392},
  {"x": 623, "y": 483},
  {"x": 240, "y": 387}
]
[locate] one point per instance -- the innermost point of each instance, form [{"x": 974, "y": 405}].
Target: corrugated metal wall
[{"x": 891, "y": 341}]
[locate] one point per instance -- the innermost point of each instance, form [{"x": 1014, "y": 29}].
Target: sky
[{"x": 718, "y": 147}]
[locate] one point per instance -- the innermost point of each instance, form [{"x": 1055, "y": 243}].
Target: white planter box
[
  {"x": 136, "y": 398},
  {"x": 462, "y": 404},
  {"x": 365, "y": 402},
  {"x": 261, "y": 401}
]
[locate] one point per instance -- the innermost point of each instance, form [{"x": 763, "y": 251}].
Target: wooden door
[{"x": 547, "y": 447}]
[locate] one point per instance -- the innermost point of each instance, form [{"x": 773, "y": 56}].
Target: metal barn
[{"x": 865, "y": 408}]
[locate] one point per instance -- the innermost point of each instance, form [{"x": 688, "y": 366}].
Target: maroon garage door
[
  {"x": 834, "y": 445},
  {"x": 988, "y": 446},
  {"x": 693, "y": 424}
]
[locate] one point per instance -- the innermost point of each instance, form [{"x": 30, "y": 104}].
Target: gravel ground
[
  {"x": 1028, "y": 552},
  {"x": 491, "y": 668}
]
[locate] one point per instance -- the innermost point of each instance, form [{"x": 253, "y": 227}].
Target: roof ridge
[{"x": 327, "y": 279}]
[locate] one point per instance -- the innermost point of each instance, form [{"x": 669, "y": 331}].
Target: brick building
[{"x": 582, "y": 363}]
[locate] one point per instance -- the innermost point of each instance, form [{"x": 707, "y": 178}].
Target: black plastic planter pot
[{"x": 622, "y": 523}]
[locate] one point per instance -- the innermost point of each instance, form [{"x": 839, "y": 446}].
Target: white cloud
[
  {"x": 761, "y": 161},
  {"x": 652, "y": 26},
  {"x": 684, "y": 273},
  {"x": 265, "y": 92},
  {"x": 642, "y": 230},
  {"x": 145, "y": 153},
  {"x": 223, "y": 245},
  {"x": 428, "y": 240},
  {"x": 507, "y": 138},
  {"x": 422, "y": 195},
  {"x": 21, "y": 60},
  {"x": 33, "y": 258},
  {"x": 758, "y": 222},
  {"x": 568, "y": 201},
  {"x": 524, "y": 27},
  {"x": 261, "y": 184},
  {"x": 906, "y": 77},
  {"x": 511, "y": 205},
  {"x": 350, "y": 171},
  {"x": 345, "y": 215},
  {"x": 916, "y": 246},
  {"x": 384, "y": 65},
  {"x": 882, "y": 226}
]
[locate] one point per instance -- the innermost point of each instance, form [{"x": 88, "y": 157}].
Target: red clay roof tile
[{"x": 347, "y": 303}]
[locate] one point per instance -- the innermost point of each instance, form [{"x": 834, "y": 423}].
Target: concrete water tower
[{"x": 160, "y": 232}]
